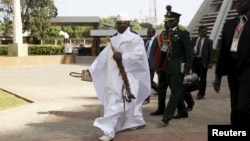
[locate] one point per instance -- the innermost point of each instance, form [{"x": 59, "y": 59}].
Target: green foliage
[
  {"x": 37, "y": 50},
  {"x": 36, "y": 16},
  {"x": 45, "y": 50},
  {"x": 160, "y": 26},
  {"x": 136, "y": 25},
  {"x": 3, "y": 49},
  {"x": 5, "y": 20},
  {"x": 53, "y": 31},
  {"x": 110, "y": 21}
]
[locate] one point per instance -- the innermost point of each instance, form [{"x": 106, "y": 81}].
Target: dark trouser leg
[
  {"x": 162, "y": 89},
  {"x": 176, "y": 99},
  {"x": 196, "y": 68},
  {"x": 244, "y": 103},
  {"x": 234, "y": 88},
  {"x": 151, "y": 79},
  {"x": 203, "y": 80}
]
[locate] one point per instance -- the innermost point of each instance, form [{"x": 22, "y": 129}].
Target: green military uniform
[{"x": 179, "y": 50}]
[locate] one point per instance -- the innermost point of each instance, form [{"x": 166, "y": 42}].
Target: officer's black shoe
[
  {"x": 178, "y": 116},
  {"x": 165, "y": 121},
  {"x": 157, "y": 112},
  {"x": 190, "y": 106},
  {"x": 199, "y": 97}
]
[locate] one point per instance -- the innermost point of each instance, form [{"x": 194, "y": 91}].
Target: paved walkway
[{"x": 65, "y": 107}]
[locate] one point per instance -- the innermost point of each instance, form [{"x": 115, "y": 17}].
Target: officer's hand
[
  {"x": 117, "y": 56},
  {"x": 157, "y": 70},
  {"x": 217, "y": 83}
]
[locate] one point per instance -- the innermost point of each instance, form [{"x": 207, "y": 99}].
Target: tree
[
  {"x": 36, "y": 15},
  {"x": 6, "y": 17},
  {"x": 109, "y": 23}
]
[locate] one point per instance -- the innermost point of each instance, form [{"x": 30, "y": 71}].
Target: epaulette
[{"x": 182, "y": 28}]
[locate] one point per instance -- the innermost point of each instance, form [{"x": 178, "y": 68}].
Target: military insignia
[{"x": 176, "y": 37}]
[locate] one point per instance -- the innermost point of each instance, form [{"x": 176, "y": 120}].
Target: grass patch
[{"x": 8, "y": 100}]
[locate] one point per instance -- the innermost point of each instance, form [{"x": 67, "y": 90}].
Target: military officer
[{"x": 178, "y": 49}]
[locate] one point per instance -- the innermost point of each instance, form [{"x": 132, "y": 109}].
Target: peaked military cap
[{"x": 172, "y": 16}]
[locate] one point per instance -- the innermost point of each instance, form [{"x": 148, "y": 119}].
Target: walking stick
[{"x": 125, "y": 88}]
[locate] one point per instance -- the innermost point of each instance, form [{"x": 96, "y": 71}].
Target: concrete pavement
[{"x": 65, "y": 107}]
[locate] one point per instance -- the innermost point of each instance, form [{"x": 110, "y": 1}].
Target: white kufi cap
[{"x": 122, "y": 17}]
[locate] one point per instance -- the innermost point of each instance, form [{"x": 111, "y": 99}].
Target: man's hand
[
  {"x": 117, "y": 56},
  {"x": 217, "y": 83}
]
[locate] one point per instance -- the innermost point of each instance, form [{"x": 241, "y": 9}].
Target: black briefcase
[{"x": 190, "y": 83}]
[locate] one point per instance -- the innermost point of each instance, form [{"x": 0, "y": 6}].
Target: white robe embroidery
[{"x": 108, "y": 83}]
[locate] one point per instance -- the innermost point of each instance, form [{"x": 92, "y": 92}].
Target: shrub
[
  {"x": 37, "y": 49},
  {"x": 45, "y": 50},
  {"x": 3, "y": 49}
]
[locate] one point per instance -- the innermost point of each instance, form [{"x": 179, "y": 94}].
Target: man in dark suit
[
  {"x": 203, "y": 50},
  {"x": 234, "y": 61},
  {"x": 178, "y": 49},
  {"x": 151, "y": 44}
]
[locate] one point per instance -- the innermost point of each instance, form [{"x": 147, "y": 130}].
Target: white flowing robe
[{"x": 108, "y": 83}]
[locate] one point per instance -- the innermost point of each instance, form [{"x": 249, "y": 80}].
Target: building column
[{"x": 17, "y": 48}]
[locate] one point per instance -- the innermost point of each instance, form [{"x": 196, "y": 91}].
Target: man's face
[
  {"x": 203, "y": 32},
  {"x": 242, "y": 6},
  {"x": 173, "y": 23},
  {"x": 166, "y": 25},
  {"x": 150, "y": 33},
  {"x": 121, "y": 26}
]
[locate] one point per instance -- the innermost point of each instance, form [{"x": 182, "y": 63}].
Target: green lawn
[{"x": 8, "y": 100}]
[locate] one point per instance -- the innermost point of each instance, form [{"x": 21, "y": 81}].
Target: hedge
[{"x": 37, "y": 49}]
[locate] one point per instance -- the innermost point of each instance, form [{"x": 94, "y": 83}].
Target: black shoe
[
  {"x": 199, "y": 97},
  {"x": 190, "y": 106},
  {"x": 178, "y": 116},
  {"x": 165, "y": 120},
  {"x": 157, "y": 112}
]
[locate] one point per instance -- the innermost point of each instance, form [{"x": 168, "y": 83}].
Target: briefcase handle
[
  {"x": 75, "y": 74},
  {"x": 85, "y": 75}
]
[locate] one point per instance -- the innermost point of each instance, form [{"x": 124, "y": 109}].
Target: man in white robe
[{"x": 118, "y": 113}]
